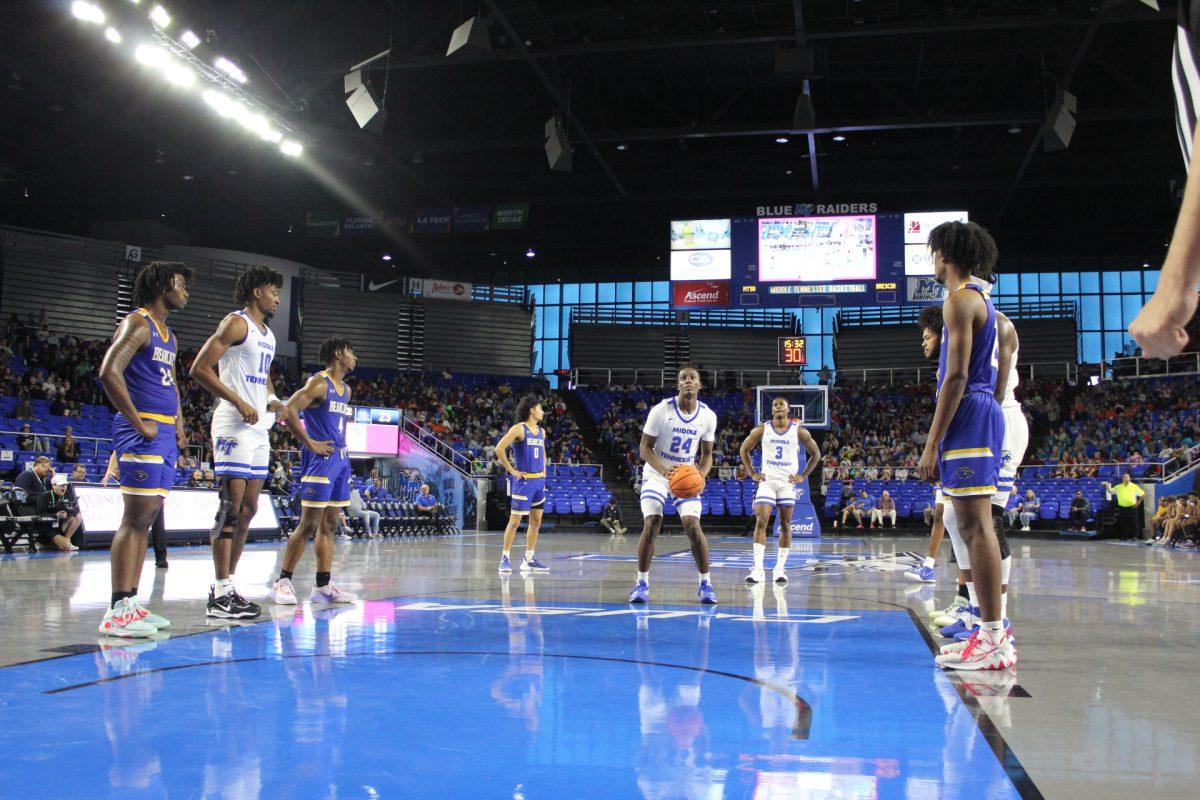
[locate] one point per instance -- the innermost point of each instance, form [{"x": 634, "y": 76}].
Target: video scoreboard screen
[{"x": 851, "y": 256}]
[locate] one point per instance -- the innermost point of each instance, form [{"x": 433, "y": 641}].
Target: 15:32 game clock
[{"x": 793, "y": 351}]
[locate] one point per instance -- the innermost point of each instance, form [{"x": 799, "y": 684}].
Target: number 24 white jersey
[{"x": 679, "y": 435}]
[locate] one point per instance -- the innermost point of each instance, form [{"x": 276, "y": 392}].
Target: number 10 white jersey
[
  {"x": 679, "y": 435},
  {"x": 245, "y": 368}
]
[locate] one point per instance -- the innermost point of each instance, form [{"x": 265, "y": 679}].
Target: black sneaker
[{"x": 230, "y": 605}]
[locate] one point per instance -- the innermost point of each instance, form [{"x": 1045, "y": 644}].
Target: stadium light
[
  {"x": 530, "y": 253},
  {"x": 180, "y": 75},
  {"x": 271, "y": 135},
  {"x": 113, "y": 35},
  {"x": 387, "y": 257},
  {"x": 160, "y": 17},
  {"x": 87, "y": 12},
  {"x": 291, "y": 148},
  {"x": 229, "y": 68},
  {"x": 190, "y": 40},
  {"x": 839, "y": 138},
  {"x": 781, "y": 139},
  {"x": 150, "y": 54}
]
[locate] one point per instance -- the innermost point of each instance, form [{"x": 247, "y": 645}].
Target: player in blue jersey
[
  {"x": 324, "y": 471},
  {"x": 966, "y": 436},
  {"x": 527, "y": 480},
  {"x": 138, "y": 373}
]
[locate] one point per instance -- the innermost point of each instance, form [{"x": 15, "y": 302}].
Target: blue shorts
[
  {"x": 145, "y": 467},
  {"x": 973, "y": 448},
  {"x": 526, "y": 494},
  {"x": 325, "y": 480}
]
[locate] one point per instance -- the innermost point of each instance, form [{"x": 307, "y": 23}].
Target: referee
[
  {"x": 1129, "y": 499},
  {"x": 1160, "y": 327}
]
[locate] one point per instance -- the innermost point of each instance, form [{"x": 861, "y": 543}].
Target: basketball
[{"x": 686, "y": 482}]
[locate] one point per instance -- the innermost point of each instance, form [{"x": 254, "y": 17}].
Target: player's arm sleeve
[
  {"x": 710, "y": 431},
  {"x": 654, "y": 421}
]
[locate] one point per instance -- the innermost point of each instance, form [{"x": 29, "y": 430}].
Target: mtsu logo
[
  {"x": 924, "y": 290},
  {"x": 225, "y": 444}
]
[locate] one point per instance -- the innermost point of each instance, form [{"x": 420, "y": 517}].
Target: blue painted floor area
[{"x": 465, "y": 699}]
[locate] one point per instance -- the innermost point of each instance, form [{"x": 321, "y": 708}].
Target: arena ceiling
[{"x": 673, "y": 110}]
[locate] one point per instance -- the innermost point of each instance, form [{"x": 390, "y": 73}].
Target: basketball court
[{"x": 450, "y": 681}]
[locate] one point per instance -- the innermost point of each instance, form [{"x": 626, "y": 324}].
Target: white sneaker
[
  {"x": 283, "y": 593},
  {"x": 980, "y": 653},
  {"x": 122, "y": 620},
  {"x": 779, "y": 576},
  {"x": 757, "y": 575},
  {"x": 330, "y": 593},
  {"x": 952, "y": 612},
  {"x": 149, "y": 617}
]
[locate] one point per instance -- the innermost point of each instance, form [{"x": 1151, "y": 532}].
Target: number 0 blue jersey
[{"x": 529, "y": 454}]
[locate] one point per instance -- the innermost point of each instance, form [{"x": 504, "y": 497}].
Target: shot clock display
[{"x": 793, "y": 351}]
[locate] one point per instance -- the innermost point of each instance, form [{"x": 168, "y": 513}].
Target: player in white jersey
[
  {"x": 677, "y": 431},
  {"x": 235, "y": 365},
  {"x": 782, "y": 468}
]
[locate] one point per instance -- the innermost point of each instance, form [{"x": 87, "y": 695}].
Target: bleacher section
[
  {"x": 96, "y": 422},
  {"x": 575, "y": 492},
  {"x": 495, "y": 338},
  {"x": 630, "y": 346},
  {"x": 735, "y": 348},
  {"x": 372, "y": 322}
]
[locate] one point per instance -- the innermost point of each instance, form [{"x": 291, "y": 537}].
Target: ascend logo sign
[{"x": 700, "y": 293}]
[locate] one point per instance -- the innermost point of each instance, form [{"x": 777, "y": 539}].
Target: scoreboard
[{"x": 834, "y": 255}]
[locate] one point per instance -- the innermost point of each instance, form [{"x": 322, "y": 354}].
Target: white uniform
[
  {"x": 780, "y": 460},
  {"x": 1016, "y": 437},
  {"x": 241, "y": 450},
  {"x": 678, "y": 440}
]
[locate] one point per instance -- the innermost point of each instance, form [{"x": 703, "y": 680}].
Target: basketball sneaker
[
  {"x": 329, "y": 593},
  {"x": 922, "y": 574},
  {"x": 533, "y": 565},
  {"x": 963, "y": 622},
  {"x": 947, "y": 616},
  {"x": 505, "y": 565},
  {"x": 149, "y": 617},
  {"x": 640, "y": 593},
  {"x": 707, "y": 594},
  {"x": 779, "y": 576},
  {"x": 283, "y": 593},
  {"x": 122, "y": 620},
  {"x": 229, "y": 604},
  {"x": 981, "y": 653},
  {"x": 757, "y": 575}
]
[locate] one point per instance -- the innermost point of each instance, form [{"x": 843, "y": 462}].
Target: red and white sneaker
[
  {"x": 981, "y": 653},
  {"x": 123, "y": 620},
  {"x": 330, "y": 594}
]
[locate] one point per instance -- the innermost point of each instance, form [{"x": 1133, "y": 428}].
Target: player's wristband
[{"x": 273, "y": 399}]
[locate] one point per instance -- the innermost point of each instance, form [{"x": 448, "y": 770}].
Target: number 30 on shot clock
[{"x": 793, "y": 351}]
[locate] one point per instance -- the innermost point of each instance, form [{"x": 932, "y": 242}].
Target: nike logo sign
[{"x": 375, "y": 287}]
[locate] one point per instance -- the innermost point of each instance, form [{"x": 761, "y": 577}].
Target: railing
[
  {"x": 902, "y": 315},
  {"x": 1139, "y": 367},
  {"x": 1153, "y": 471},
  {"x": 907, "y": 375},
  {"x": 605, "y": 378},
  {"x": 624, "y": 314},
  {"x": 1180, "y": 464},
  {"x": 95, "y": 440},
  {"x": 430, "y": 441}
]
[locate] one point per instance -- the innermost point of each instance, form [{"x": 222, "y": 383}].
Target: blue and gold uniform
[
  {"x": 148, "y": 467},
  {"x": 529, "y": 457},
  {"x": 325, "y": 480},
  {"x": 971, "y": 450}
]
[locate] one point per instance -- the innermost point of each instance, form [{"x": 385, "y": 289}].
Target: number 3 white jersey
[
  {"x": 781, "y": 455},
  {"x": 679, "y": 435},
  {"x": 244, "y": 368}
]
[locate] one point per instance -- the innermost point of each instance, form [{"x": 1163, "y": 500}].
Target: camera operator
[{"x": 60, "y": 503}]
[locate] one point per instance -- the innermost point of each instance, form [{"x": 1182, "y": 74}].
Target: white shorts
[
  {"x": 1016, "y": 439},
  {"x": 655, "y": 491},
  {"x": 240, "y": 450},
  {"x": 776, "y": 492}
]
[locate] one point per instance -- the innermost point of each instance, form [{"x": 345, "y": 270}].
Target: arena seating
[{"x": 575, "y": 491}]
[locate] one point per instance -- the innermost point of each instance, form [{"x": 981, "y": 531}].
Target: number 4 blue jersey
[
  {"x": 678, "y": 434},
  {"x": 327, "y": 422},
  {"x": 529, "y": 454}
]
